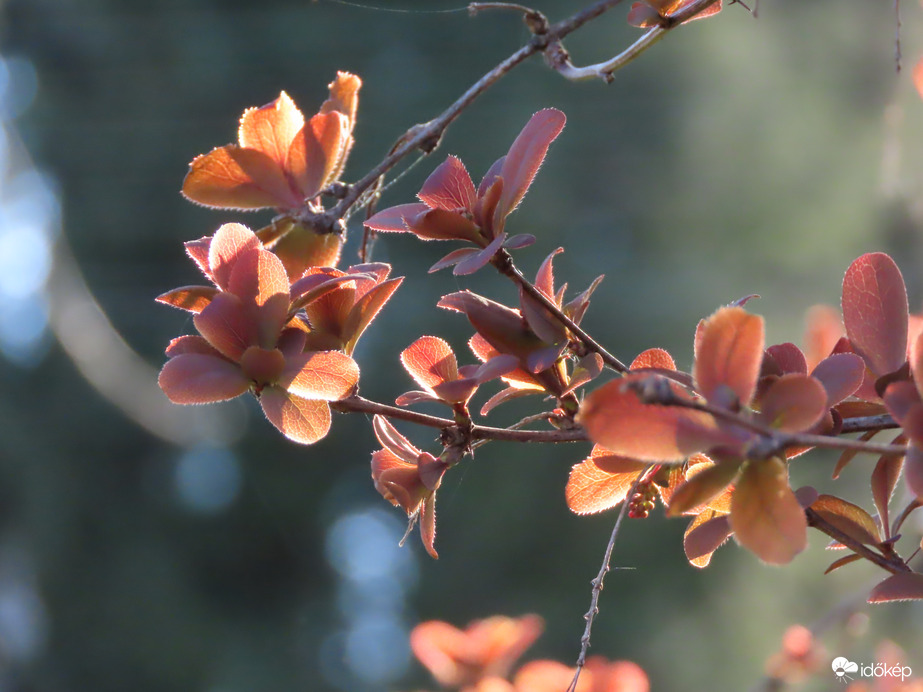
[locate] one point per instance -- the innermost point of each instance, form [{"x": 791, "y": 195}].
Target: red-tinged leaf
[
  {"x": 271, "y": 128},
  {"x": 906, "y": 586},
  {"x": 586, "y": 369},
  {"x": 913, "y": 470},
  {"x": 875, "y": 312},
  {"x": 315, "y": 286},
  {"x": 884, "y": 479},
  {"x": 850, "y": 454},
  {"x": 519, "y": 241},
  {"x": 190, "y": 344},
  {"x": 841, "y": 375},
  {"x": 704, "y": 14},
  {"x": 793, "y": 403},
  {"x": 789, "y": 358},
  {"x": 544, "y": 278},
  {"x": 765, "y": 515},
  {"x": 232, "y": 177},
  {"x": 851, "y": 519},
  {"x": 326, "y": 375},
  {"x": 302, "y": 248},
  {"x": 393, "y": 441},
  {"x": 262, "y": 366},
  {"x": 190, "y": 298},
  {"x": 193, "y": 378},
  {"x": 495, "y": 367},
  {"x": 198, "y": 253},
  {"x": 916, "y": 362},
  {"x": 344, "y": 95},
  {"x": 428, "y": 525},
  {"x": 456, "y": 391},
  {"x": 822, "y": 331},
  {"x": 576, "y": 308},
  {"x": 472, "y": 263},
  {"x": 453, "y": 258},
  {"x": 842, "y": 562},
  {"x": 300, "y": 420},
  {"x": 653, "y": 358},
  {"x": 449, "y": 187},
  {"x": 230, "y": 242},
  {"x": 643, "y": 16},
  {"x": 918, "y": 76},
  {"x": 226, "y": 326},
  {"x": 439, "y": 224},
  {"x": 430, "y": 361},
  {"x": 485, "y": 209},
  {"x": 490, "y": 178},
  {"x": 728, "y": 357},
  {"x": 903, "y": 402},
  {"x": 499, "y": 325},
  {"x": 707, "y": 532},
  {"x": 707, "y": 483},
  {"x": 415, "y": 397},
  {"x": 504, "y": 396},
  {"x": 261, "y": 283},
  {"x": 315, "y": 153},
  {"x": 525, "y": 157},
  {"x": 540, "y": 320},
  {"x": 600, "y": 481},
  {"x": 614, "y": 418},
  {"x": 395, "y": 219},
  {"x": 367, "y": 309}
]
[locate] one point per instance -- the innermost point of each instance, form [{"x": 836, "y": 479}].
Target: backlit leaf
[
  {"x": 765, "y": 515},
  {"x": 728, "y": 356},
  {"x": 229, "y": 242},
  {"x": 793, "y": 403},
  {"x": 875, "y": 312},
  {"x": 190, "y": 298},
  {"x": 653, "y": 358},
  {"x": 232, "y": 177},
  {"x": 226, "y": 326},
  {"x": 707, "y": 532},
  {"x": 601, "y": 481},
  {"x": 851, "y": 519},
  {"x": 703, "y": 486},
  {"x": 301, "y": 420},
  {"x": 913, "y": 470},
  {"x": 395, "y": 219},
  {"x": 315, "y": 153},
  {"x": 849, "y": 454},
  {"x": 842, "y": 562},
  {"x": 789, "y": 358},
  {"x": 193, "y": 378},
  {"x": 615, "y": 418},
  {"x": 841, "y": 375},
  {"x": 884, "y": 479},
  {"x": 449, "y": 187},
  {"x": 261, "y": 282},
  {"x": 430, "y": 361},
  {"x": 325, "y": 375},
  {"x": 906, "y": 586},
  {"x": 525, "y": 157}
]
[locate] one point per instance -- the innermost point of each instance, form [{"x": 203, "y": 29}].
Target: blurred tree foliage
[{"x": 737, "y": 157}]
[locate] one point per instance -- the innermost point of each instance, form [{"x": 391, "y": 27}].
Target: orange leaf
[
  {"x": 653, "y": 358},
  {"x": 344, "y": 96},
  {"x": 315, "y": 152},
  {"x": 918, "y": 76},
  {"x": 430, "y": 361},
  {"x": 707, "y": 532},
  {"x": 271, "y": 128},
  {"x": 848, "y": 518},
  {"x": 301, "y": 420},
  {"x": 231, "y": 177},
  {"x": 705, "y": 485},
  {"x": 601, "y": 481},
  {"x": 875, "y": 312},
  {"x": 765, "y": 515},
  {"x": 191, "y": 298},
  {"x": 842, "y": 562},
  {"x": 301, "y": 248},
  {"x": 615, "y": 418},
  {"x": 194, "y": 378},
  {"x": 728, "y": 356},
  {"x": 326, "y": 375}
]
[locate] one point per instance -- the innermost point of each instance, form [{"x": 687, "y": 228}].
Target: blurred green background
[{"x": 154, "y": 548}]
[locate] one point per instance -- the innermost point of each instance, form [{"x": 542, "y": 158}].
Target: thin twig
[
  {"x": 504, "y": 264},
  {"x": 805, "y": 440},
  {"x": 894, "y": 565},
  {"x": 883, "y": 421},
  {"x": 528, "y": 420},
  {"x": 598, "y": 581},
  {"x": 358, "y": 404}
]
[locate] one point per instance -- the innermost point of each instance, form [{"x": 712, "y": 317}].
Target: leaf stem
[{"x": 893, "y": 565}]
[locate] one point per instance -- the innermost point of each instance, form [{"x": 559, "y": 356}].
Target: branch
[
  {"x": 893, "y": 565},
  {"x": 357, "y": 404},
  {"x": 504, "y": 264},
  {"x": 598, "y": 582},
  {"x": 604, "y": 70}
]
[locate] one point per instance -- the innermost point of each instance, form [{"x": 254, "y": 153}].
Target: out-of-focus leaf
[
  {"x": 766, "y": 517},
  {"x": 913, "y": 470},
  {"x": 851, "y": 519},
  {"x": 849, "y": 454},
  {"x": 884, "y": 479},
  {"x": 842, "y": 562},
  {"x": 704, "y": 535},
  {"x": 823, "y": 329},
  {"x": 793, "y": 403},
  {"x": 875, "y": 312},
  {"x": 615, "y": 418},
  {"x": 302, "y": 247},
  {"x": 728, "y": 356},
  {"x": 702, "y": 487},
  {"x": 789, "y": 358}
]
